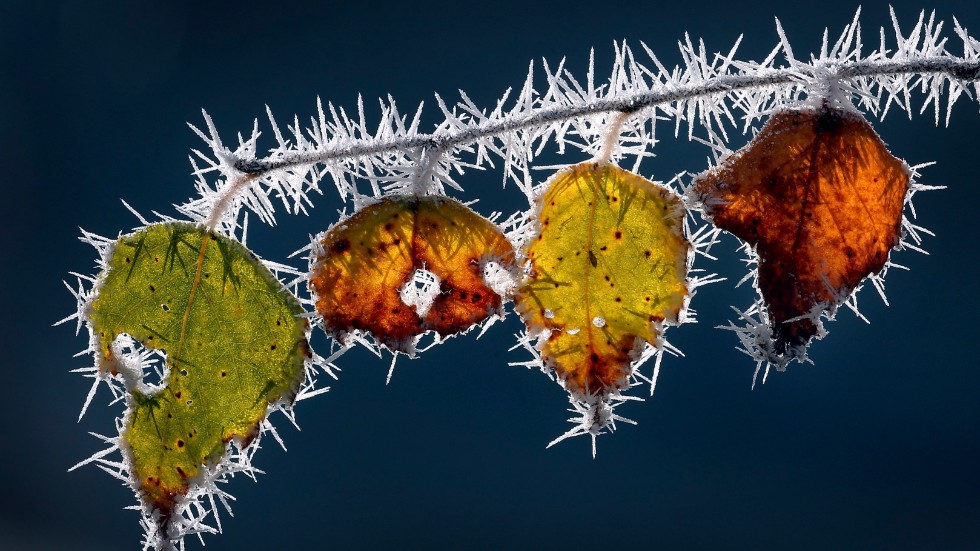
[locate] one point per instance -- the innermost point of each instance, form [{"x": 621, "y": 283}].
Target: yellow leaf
[{"x": 608, "y": 267}]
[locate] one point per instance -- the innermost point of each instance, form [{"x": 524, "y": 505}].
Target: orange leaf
[
  {"x": 368, "y": 259},
  {"x": 820, "y": 198}
]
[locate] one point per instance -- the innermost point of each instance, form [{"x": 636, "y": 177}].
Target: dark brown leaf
[{"x": 820, "y": 198}]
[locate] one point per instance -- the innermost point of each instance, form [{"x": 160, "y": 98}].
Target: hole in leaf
[
  {"x": 417, "y": 271},
  {"x": 420, "y": 291}
]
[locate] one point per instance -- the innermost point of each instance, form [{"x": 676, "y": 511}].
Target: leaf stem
[
  {"x": 223, "y": 202},
  {"x": 611, "y": 137}
]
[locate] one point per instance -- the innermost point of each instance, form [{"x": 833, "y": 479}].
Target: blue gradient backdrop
[{"x": 874, "y": 447}]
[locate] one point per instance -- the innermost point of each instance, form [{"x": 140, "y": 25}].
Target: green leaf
[
  {"x": 233, "y": 340},
  {"x": 608, "y": 267}
]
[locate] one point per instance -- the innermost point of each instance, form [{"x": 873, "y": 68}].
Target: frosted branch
[
  {"x": 957, "y": 69},
  {"x": 708, "y": 95}
]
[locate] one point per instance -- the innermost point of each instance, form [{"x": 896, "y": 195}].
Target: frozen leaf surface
[
  {"x": 608, "y": 267},
  {"x": 232, "y": 338},
  {"x": 820, "y": 198},
  {"x": 368, "y": 259}
]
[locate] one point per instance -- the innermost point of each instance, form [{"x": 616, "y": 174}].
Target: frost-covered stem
[
  {"x": 430, "y": 159},
  {"x": 611, "y": 138},
  {"x": 965, "y": 70},
  {"x": 223, "y": 202},
  {"x": 628, "y": 103}
]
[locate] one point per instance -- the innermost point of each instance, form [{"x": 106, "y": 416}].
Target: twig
[{"x": 629, "y": 103}]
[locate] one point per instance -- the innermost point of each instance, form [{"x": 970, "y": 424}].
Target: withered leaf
[
  {"x": 368, "y": 258},
  {"x": 820, "y": 198},
  {"x": 608, "y": 266}
]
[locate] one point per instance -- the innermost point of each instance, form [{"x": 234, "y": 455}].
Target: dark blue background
[{"x": 876, "y": 446}]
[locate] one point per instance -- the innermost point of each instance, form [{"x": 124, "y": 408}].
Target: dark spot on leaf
[{"x": 340, "y": 246}]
